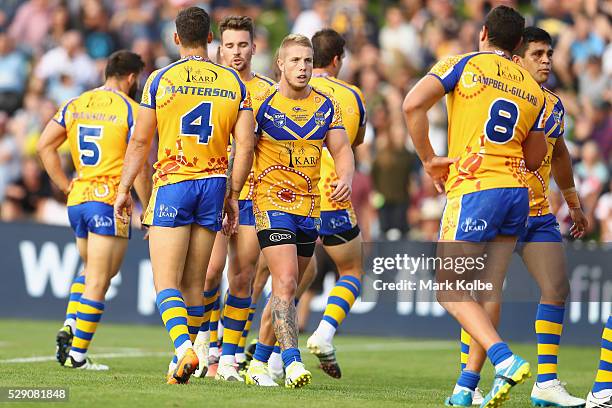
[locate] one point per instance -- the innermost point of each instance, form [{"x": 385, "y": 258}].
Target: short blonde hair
[{"x": 294, "y": 39}]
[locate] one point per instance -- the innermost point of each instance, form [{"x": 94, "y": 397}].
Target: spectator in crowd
[
  {"x": 9, "y": 156},
  {"x": 391, "y": 173},
  {"x": 399, "y": 40},
  {"x": 26, "y": 196},
  {"x": 31, "y": 24},
  {"x": 133, "y": 19},
  {"x": 68, "y": 59},
  {"x": 311, "y": 21},
  {"x": 603, "y": 214},
  {"x": 99, "y": 41},
  {"x": 13, "y": 75}
]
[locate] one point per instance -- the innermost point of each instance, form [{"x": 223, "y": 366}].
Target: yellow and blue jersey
[
  {"x": 98, "y": 126},
  {"x": 258, "y": 89},
  {"x": 539, "y": 180},
  {"x": 493, "y": 104},
  {"x": 288, "y": 153},
  {"x": 196, "y": 103},
  {"x": 351, "y": 101}
]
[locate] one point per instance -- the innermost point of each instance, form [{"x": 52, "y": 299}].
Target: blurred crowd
[{"x": 52, "y": 50}]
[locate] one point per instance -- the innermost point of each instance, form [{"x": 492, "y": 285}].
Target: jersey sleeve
[
  {"x": 336, "y": 115},
  {"x": 150, "y": 90},
  {"x": 60, "y": 116},
  {"x": 246, "y": 103},
  {"x": 449, "y": 70},
  {"x": 362, "y": 111},
  {"x": 131, "y": 121},
  {"x": 561, "y": 119},
  {"x": 540, "y": 119}
]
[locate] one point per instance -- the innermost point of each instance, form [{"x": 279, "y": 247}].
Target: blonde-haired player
[{"x": 294, "y": 122}]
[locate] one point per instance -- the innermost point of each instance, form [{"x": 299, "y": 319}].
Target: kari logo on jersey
[
  {"x": 473, "y": 225},
  {"x": 278, "y": 237},
  {"x": 166, "y": 211},
  {"x": 102, "y": 221},
  {"x": 279, "y": 119}
]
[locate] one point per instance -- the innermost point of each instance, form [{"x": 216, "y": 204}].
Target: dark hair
[
  {"x": 530, "y": 35},
  {"x": 237, "y": 23},
  {"x": 122, "y": 63},
  {"x": 192, "y": 27},
  {"x": 505, "y": 26},
  {"x": 327, "y": 44}
]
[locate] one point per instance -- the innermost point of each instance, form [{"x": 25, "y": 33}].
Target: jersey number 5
[
  {"x": 89, "y": 149},
  {"x": 503, "y": 115},
  {"x": 196, "y": 122}
]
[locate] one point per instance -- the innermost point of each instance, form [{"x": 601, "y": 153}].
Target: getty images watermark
[
  {"x": 454, "y": 271},
  {"x": 412, "y": 265}
]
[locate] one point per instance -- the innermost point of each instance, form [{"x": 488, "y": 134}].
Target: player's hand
[
  {"x": 581, "y": 223},
  {"x": 437, "y": 168},
  {"x": 342, "y": 191},
  {"x": 230, "y": 219},
  {"x": 123, "y": 206}
]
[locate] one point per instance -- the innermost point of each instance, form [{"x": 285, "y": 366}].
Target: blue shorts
[
  {"x": 278, "y": 228},
  {"x": 544, "y": 228},
  {"x": 337, "y": 221},
  {"x": 96, "y": 217},
  {"x": 482, "y": 215},
  {"x": 188, "y": 202},
  {"x": 246, "y": 217}
]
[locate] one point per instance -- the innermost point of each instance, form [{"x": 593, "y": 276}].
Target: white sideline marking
[
  {"x": 349, "y": 348},
  {"x": 131, "y": 354}
]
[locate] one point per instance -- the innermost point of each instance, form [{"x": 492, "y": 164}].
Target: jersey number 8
[
  {"x": 89, "y": 149},
  {"x": 196, "y": 122},
  {"x": 503, "y": 116}
]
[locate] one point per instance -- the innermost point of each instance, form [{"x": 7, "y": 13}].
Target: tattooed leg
[{"x": 284, "y": 322}]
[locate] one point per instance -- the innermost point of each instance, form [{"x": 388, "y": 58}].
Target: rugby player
[
  {"x": 194, "y": 104},
  {"x": 540, "y": 245},
  {"x": 236, "y": 51},
  {"x": 293, "y": 123},
  {"x": 98, "y": 125},
  {"x": 495, "y": 111}
]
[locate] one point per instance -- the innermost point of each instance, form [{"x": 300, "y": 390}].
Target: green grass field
[{"x": 377, "y": 372}]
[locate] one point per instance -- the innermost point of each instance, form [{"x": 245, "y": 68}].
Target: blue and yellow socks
[
  {"x": 235, "y": 315},
  {"x": 240, "y": 356},
  {"x": 548, "y": 327},
  {"x": 76, "y": 291},
  {"x": 339, "y": 303},
  {"x": 88, "y": 316},
  {"x": 465, "y": 348},
  {"x": 174, "y": 315},
  {"x": 603, "y": 382}
]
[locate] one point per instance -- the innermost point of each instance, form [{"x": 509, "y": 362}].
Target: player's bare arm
[
  {"x": 360, "y": 136},
  {"x": 143, "y": 185},
  {"x": 242, "y": 156},
  {"x": 340, "y": 149},
  {"x": 51, "y": 139},
  {"x": 135, "y": 157},
  {"x": 534, "y": 149},
  {"x": 561, "y": 166},
  {"x": 419, "y": 100}
]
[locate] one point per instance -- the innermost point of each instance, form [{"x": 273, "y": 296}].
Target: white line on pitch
[{"x": 133, "y": 352}]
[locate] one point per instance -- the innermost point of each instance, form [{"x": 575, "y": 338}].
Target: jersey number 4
[
  {"x": 89, "y": 149},
  {"x": 503, "y": 115},
  {"x": 196, "y": 122}
]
